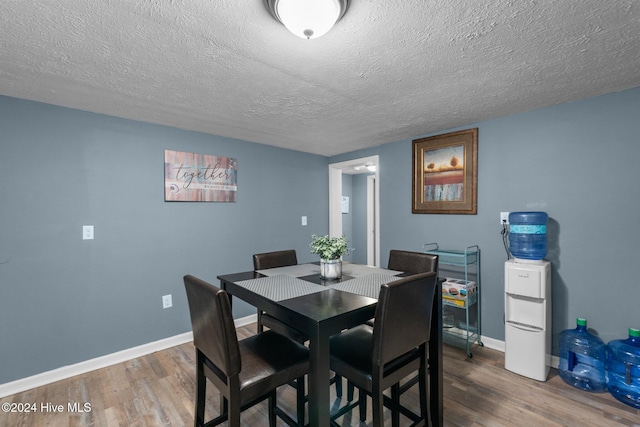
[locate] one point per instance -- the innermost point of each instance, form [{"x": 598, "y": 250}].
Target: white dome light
[{"x": 308, "y": 19}]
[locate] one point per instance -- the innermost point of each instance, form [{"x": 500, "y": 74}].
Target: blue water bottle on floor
[
  {"x": 623, "y": 363},
  {"x": 583, "y": 359}
]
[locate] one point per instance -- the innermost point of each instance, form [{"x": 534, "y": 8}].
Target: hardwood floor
[{"x": 158, "y": 390}]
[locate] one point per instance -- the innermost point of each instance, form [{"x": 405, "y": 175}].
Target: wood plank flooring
[{"x": 158, "y": 390}]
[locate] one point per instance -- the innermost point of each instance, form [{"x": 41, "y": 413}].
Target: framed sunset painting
[{"x": 445, "y": 173}]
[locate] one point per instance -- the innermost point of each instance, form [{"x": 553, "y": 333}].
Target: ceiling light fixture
[{"x": 308, "y": 19}]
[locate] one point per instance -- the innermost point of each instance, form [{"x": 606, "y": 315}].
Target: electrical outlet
[
  {"x": 87, "y": 232},
  {"x": 166, "y": 301},
  {"x": 504, "y": 218}
]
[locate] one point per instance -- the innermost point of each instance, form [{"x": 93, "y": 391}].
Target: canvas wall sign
[{"x": 191, "y": 177}]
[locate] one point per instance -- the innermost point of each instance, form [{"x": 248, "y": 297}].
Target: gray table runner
[
  {"x": 348, "y": 269},
  {"x": 292, "y": 270},
  {"x": 280, "y": 287},
  {"x": 358, "y": 270},
  {"x": 368, "y": 285}
]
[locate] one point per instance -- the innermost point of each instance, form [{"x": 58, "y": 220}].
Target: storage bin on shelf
[{"x": 459, "y": 292}]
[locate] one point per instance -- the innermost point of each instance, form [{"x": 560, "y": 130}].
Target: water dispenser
[{"x": 528, "y": 317}]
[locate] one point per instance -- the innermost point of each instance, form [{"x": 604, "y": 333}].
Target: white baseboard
[
  {"x": 492, "y": 343},
  {"x": 247, "y": 320},
  {"x": 69, "y": 371}
]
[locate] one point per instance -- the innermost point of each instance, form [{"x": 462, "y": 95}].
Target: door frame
[
  {"x": 335, "y": 204},
  {"x": 372, "y": 230}
]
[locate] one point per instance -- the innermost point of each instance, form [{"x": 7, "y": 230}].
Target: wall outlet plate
[
  {"x": 504, "y": 218},
  {"x": 166, "y": 301},
  {"x": 87, "y": 232}
]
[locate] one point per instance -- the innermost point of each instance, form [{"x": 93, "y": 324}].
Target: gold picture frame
[{"x": 445, "y": 173}]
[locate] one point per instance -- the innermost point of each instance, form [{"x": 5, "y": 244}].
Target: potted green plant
[{"x": 330, "y": 250}]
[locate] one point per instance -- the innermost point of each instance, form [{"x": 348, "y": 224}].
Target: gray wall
[
  {"x": 576, "y": 161},
  {"x": 64, "y": 300}
]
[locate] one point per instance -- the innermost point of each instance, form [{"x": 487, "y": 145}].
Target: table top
[
  {"x": 300, "y": 301},
  {"x": 328, "y": 306},
  {"x": 287, "y": 284}
]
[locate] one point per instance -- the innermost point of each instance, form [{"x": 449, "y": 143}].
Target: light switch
[
  {"x": 304, "y": 220},
  {"x": 87, "y": 232}
]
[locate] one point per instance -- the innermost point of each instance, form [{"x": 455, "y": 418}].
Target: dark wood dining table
[{"x": 321, "y": 309}]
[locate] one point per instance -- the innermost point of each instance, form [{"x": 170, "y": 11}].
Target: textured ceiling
[{"x": 388, "y": 71}]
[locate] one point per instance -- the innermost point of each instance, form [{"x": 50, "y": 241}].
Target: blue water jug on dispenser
[
  {"x": 582, "y": 359},
  {"x": 623, "y": 363},
  {"x": 528, "y": 235}
]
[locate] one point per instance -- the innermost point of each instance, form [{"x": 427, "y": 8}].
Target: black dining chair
[
  {"x": 286, "y": 258},
  {"x": 412, "y": 262},
  {"x": 409, "y": 263},
  {"x": 275, "y": 259},
  {"x": 245, "y": 372},
  {"x": 379, "y": 357}
]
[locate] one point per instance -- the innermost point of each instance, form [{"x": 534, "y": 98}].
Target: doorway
[{"x": 365, "y": 165}]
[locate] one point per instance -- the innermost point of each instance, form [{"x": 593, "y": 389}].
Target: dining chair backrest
[
  {"x": 403, "y": 316},
  {"x": 412, "y": 262},
  {"x": 275, "y": 259},
  {"x": 214, "y": 332}
]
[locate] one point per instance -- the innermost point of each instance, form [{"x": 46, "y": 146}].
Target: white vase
[{"x": 330, "y": 269}]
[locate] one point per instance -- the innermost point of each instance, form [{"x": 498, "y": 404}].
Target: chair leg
[
  {"x": 272, "y": 409},
  {"x": 422, "y": 387},
  {"x": 234, "y": 409},
  {"x": 395, "y": 412},
  {"x": 362, "y": 405},
  {"x": 350, "y": 389},
  {"x": 300, "y": 393},
  {"x": 201, "y": 385},
  {"x": 338, "y": 380},
  {"x": 377, "y": 407}
]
